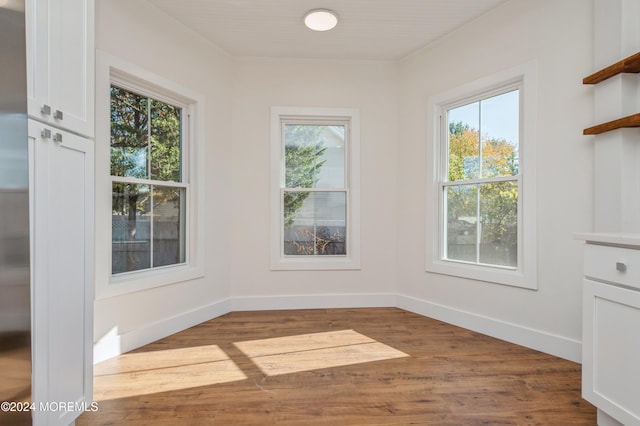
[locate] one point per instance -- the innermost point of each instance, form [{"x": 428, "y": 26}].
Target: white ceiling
[{"x": 367, "y": 29}]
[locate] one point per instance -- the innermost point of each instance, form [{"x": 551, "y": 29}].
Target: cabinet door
[
  {"x": 60, "y": 57},
  {"x": 610, "y": 348},
  {"x": 61, "y": 192}
]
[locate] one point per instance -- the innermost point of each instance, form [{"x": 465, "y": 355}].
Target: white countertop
[{"x": 621, "y": 239}]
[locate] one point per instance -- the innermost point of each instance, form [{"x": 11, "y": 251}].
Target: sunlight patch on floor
[
  {"x": 304, "y": 352},
  {"x": 142, "y": 373}
]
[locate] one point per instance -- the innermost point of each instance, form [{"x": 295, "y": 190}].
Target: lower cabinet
[
  {"x": 611, "y": 333},
  {"x": 61, "y": 209}
]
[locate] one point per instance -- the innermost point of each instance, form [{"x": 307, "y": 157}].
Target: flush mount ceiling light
[{"x": 320, "y": 19}]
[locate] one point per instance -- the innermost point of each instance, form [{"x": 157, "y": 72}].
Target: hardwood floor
[
  {"x": 381, "y": 366},
  {"x": 15, "y": 375}
]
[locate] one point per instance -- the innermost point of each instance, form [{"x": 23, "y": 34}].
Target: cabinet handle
[
  {"x": 622, "y": 267},
  {"x": 57, "y": 137},
  {"x": 46, "y": 134},
  {"x": 58, "y": 115},
  {"x": 45, "y": 109}
]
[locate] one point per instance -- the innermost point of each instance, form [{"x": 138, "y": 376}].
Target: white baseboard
[
  {"x": 604, "y": 419},
  {"x": 114, "y": 344},
  {"x": 313, "y": 301},
  {"x": 559, "y": 346}
]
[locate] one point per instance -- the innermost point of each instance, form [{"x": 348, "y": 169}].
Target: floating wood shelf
[
  {"x": 627, "y": 65},
  {"x": 630, "y": 121}
]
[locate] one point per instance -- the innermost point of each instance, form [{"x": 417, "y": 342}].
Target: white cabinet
[
  {"x": 61, "y": 210},
  {"x": 611, "y": 331},
  {"x": 60, "y": 63},
  {"x": 60, "y": 92}
]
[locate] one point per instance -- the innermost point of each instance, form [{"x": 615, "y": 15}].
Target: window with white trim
[
  {"x": 149, "y": 197},
  {"x": 149, "y": 181},
  {"x": 315, "y": 189},
  {"x": 484, "y": 181}
]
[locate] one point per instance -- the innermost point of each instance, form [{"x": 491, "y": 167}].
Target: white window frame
[
  {"x": 352, "y": 185},
  {"x": 524, "y": 275},
  {"x": 113, "y": 70}
]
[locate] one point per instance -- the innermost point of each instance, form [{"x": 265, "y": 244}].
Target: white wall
[
  {"x": 559, "y": 36},
  {"x": 138, "y": 33},
  {"x": 372, "y": 87},
  {"x": 616, "y": 154},
  {"x": 392, "y": 98}
]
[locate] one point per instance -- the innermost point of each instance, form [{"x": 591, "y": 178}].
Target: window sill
[
  {"x": 495, "y": 275},
  {"x": 146, "y": 280}
]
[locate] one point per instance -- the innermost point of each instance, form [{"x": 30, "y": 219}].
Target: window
[
  {"x": 149, "y": 188},
  {"x": 481, "y": 180},
  {"x": 315, "y": 196},
  {"x": 484, "y": 182},
  {"x": 149, "y": 203}
]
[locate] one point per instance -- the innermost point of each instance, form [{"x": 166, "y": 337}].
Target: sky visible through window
[{"x": 495, "y": 117}]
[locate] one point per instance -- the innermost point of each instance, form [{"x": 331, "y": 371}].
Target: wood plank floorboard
[{"x": 426, "y": 372}]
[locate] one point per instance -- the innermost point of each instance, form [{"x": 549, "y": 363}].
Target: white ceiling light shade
[{"x": 320, "y": 19}]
